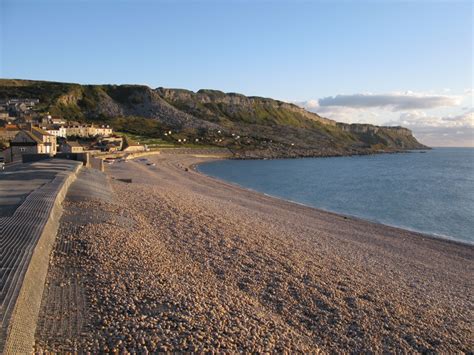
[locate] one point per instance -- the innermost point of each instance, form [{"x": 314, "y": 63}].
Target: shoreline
[
  {"x": 423, "y": 234},
  {"x": 261, "y": 154}
]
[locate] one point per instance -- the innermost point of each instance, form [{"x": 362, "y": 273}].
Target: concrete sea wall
[{"x": 26, "y": 241}]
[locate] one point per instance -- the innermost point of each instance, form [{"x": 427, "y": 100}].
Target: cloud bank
[
  {"x": 394, "y": 102},
  {"x": 435, "y": 119},
  {"x": 421, "y": 119},
  {"x": 451, "y": 130}
]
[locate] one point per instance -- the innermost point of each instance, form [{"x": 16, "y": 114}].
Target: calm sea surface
[{"x": 431, "y": 192}]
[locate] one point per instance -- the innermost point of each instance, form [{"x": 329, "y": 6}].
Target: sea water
[{"x": 430, "y": 192}]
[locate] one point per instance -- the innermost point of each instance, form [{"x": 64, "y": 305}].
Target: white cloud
[
  {"x": 309, "y": 105},
  {"x": 420, "y": 119},
  {"x": 393, "y": 101},
  {"x": 445, "y": 137},
  {"x": 450, "y": 130},
  {"x": 435, "y": 119}
]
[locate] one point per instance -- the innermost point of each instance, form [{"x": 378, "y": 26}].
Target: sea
[{"x": 428, "y": 191}]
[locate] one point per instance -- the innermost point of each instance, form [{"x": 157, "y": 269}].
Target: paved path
[
  {"x": 19, "y": 180},
  {"x": 28, "y": 194}
]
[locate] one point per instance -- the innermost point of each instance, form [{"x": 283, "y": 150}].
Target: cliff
[{"x": 249, "y": 126}]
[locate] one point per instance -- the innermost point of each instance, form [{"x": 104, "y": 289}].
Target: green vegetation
[
  {"x": 146, "y": 139},
  {"x": 47, "y": 92},
  {"x": 207, "y": 118},
  {"x": 139, "y": 126}
]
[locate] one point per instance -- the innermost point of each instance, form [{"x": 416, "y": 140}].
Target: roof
[
  {"x": 40, "y": 131},
  {"x": 49, "y": 128},
  {"x": 9, "y": 128},
  {"x": 31, "y": 136}
]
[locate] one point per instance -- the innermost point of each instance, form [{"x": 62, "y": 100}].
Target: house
[
  {"x": 8, "y": 132},
  {"x": 88, "y": 130},
  {"x": 72, "y": 147},
  {"x": 55, "y": 130},
  {"x": 58, "y": 121},
  {"x": 55, "y": 120},
  {"x": 103, "y": 131},
  {"x": 31, "y": 141}
]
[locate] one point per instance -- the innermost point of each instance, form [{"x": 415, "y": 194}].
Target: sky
[{"x": 388, "y": 62}]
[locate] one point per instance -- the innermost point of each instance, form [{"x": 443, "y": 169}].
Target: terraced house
[{"x": 88, "y": 130}]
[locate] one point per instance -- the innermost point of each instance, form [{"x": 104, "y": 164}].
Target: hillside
[{"x": 249, "y": 126}]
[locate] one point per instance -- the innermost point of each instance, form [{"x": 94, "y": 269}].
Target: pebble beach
[{"x": 178, "y": 261}]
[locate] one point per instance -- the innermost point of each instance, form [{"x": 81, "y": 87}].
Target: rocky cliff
[{"x": 249, "y": 126}]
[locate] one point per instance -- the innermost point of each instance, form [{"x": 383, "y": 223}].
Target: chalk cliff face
[{"x": 250, "y": 126}]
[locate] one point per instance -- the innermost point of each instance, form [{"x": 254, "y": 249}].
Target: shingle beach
[{"x": 178, "y": 261}]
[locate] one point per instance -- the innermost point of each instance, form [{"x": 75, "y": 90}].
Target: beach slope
[{"x": 179, "y": 261}]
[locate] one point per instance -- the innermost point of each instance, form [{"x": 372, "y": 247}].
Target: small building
[
  {"x": 72, "y": 147},
  {"x": 57, "y": 120},
  {"x": 32, "y": 141},
  {"x": 134, "y": 147},
  {"x": 114, "y": 140}
]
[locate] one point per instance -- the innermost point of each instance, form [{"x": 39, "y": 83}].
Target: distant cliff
[{"x": 249, "y": 126}]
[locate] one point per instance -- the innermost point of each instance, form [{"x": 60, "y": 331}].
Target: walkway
[{"x": 28, "y": 198}]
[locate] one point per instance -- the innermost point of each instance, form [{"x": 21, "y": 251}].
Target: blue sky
[{"x": 307, "y": 52}]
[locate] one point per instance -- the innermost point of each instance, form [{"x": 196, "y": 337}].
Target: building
[
  {"x": 72, "y": 147},
  {"x": 53, "y": 120},
  {"x": 113, "y": 140},
  {"x": 57, "y": 131},
  {"x": 134, "y": 147},
  {"x": 18, "y": 107},
  {"x": 88, "y": 130},
  {"x": 27, "y": 102},
  {"x": 103, "y": 131},
  {"x": 4, "y": 116},
  {"x": 32, "y": 141},
  {"x": 58, "y": 121},
  {"x": 8, "y": 132}
]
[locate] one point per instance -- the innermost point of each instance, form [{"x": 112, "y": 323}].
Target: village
[{"x": 26, "y": 135}]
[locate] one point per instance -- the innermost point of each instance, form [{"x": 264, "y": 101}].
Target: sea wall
[{"x": 27, "y": 238}]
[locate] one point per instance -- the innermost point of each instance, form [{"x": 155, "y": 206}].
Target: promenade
[{"x": 30, "y": 198}]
